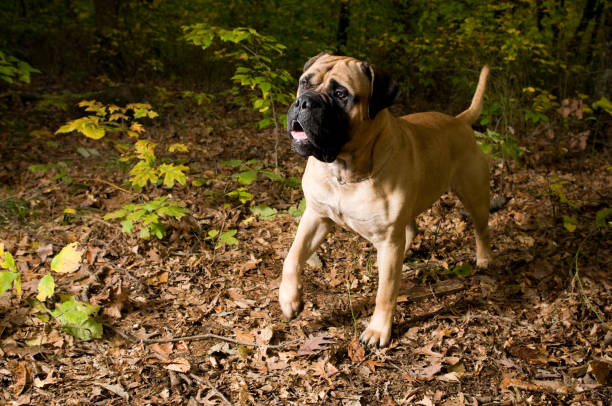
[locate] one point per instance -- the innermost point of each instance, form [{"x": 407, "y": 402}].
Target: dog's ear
[
  {"x": 384, "y": 90},
  {"x": 312, "y": 60}
]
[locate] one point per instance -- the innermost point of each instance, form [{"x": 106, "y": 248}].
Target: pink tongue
[{"x": 299, "y": 135}]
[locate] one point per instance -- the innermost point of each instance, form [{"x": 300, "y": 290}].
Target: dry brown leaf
[
  {"x": 117, "y": 389},
  {"x": 601, "y": 371},
  {"x": 158, "y": 279},
  {"x": 373, "y": 364},
  {"x": 450, "y": 377},
  {"x": 178, "y": 365},
  {"x": 118, "y": 298},
  {"x": 91, "y": 254},
  {"x": 44, "y": 251},
  {"x": 164, "y": 349},
  {"x": 265, "y": 335},
  {"x": 21, "y": 373},
  {"x": 517, "y": 383},
  {"x": 49, "y": 380},
  {"x": 430, "y": 371},
  {"x": 355, "y": 351},
  {"x": 426, "y": 401},
  {"x": 315, "y": 344},
  {"x": 245, "y": 337}
]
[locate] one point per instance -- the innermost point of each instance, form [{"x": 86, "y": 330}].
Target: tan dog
[{"x": 373, "y": 173}]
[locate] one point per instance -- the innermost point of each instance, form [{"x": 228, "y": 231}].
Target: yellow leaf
[
  {"x": 69, "y": 210},
  {"x": 178, "y": 147},
  {"x": 68, "y": 260}
]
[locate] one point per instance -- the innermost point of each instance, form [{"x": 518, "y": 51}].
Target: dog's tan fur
[{"x": 391, "y": 170}]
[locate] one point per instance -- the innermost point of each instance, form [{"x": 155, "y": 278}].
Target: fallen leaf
[
  {"x": 315, "y": 344},
  {"x": 517, "y": 383},
  {"x": 373, "y": 364},
  {"x": 601, "y": 371},
  {"x": 117, "y": 389},
  {"x": 44, "y": 251},
  {"x": 118, "y": 298},
  {"x": 265, "y": 335},
  {"x": 49, "y": 380},
  {"x": 158, "y": 279},
  {"x": 178, "y": 365},
  {"x": 164, "y": 349},
  {"x": 22, "y": 377},
  {"x": 68, "y": 260},
  {"x": 426, "y": 401},
  {"x": 430, "y": 371},
  {"x": 245, "y": 337},
  {"x": 355, "y": 351},
  {"x": 449, "y": 377}
]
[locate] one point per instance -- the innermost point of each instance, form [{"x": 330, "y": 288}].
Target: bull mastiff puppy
[{"x": 373, "y": 173}]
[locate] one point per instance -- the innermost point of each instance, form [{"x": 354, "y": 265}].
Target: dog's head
[{"x": 336, "y": 94}]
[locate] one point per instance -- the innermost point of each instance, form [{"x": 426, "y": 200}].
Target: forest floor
[{"x": 525, "y": 331}]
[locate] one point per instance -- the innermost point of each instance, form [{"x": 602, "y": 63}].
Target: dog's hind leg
[
  {"x": 310, "y": 233},
  {"x": 472, "y": 187}
]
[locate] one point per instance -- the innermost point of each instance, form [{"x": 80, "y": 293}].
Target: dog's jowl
[{"x": 373, "y": 173}]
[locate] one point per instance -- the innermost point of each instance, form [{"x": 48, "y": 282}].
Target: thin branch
[
  {"x": 218, "y": 337},
  {"x": 106, "y": 182}
]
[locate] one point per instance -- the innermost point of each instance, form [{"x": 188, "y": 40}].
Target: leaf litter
[{"x": 519, "y": 332}]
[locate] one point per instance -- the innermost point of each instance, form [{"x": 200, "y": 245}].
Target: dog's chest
[{"x": 359, "y": 207}]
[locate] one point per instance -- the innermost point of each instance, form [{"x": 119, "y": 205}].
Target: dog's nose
[{"x": 308, "y": 101}]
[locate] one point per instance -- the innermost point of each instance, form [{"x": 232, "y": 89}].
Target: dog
[{"x": 373, "y": 173}]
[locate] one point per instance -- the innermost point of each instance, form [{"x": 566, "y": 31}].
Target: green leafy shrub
[
  {"x": 496, "y": 145},
  {"x": 114, "y": 120},
  {"x": 221, "y": 239},
  {"x": 13, "y": 69},
  {"x": 254, "y": 55},
  {"x": 147, "y": 216},
  {"x": 74, "y": 316}
]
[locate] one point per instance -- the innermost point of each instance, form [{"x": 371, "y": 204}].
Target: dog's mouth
[{"x": 297, "y": 131}]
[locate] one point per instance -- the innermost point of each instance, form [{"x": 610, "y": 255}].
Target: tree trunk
[
  {"x": 343, "y": 23},
  {"x": 105, "y": 13}
]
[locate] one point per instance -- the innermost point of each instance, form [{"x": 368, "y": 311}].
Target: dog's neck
[{"x": 357, "y": 160}]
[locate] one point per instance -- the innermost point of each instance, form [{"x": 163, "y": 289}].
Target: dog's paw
[
  {"x": 290, "y": 300},
  {"x": 484, "y": 261},
  {"x": 378, "y": 333}
]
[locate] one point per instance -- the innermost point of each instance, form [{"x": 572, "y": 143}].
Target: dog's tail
[{"x": 470, "y": 115}]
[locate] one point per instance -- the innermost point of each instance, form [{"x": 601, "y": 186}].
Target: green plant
[
  {"x": 147, "y": 216},
  {"x": 10, "y": 277},
  {"x": 60, "y": 170},
  {"x": 255, "y": 55},
  {"x": 12, "y": 69},
  {"x": 250, "y": 170},
  {"x": 496, "y": 145},
  {"x": 75, "y": 317},
  {"x": 221, "y": 239},
  {"x": 542, "y": 102},
  {"x": 111, "y": 119}
]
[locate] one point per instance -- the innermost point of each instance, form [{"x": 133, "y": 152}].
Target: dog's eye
[
  {"x": 340, "y": 94},
  {"x": 305, "y": 84}
]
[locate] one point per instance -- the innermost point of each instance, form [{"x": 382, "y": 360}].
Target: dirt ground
[{"x": 188, "y": 323}]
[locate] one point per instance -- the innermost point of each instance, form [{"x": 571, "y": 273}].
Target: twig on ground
[
  {"x": 198, "y": 338},
  {"x": 218, "y": 337},
  {"x": 106, "y": 182}
]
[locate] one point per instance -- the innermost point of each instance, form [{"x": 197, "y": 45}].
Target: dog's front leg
[
  {"x": 390, "y": 257},
  {"x": 311, "y": 231}
]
